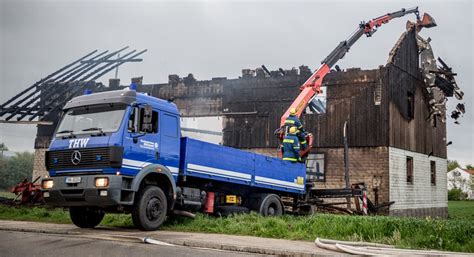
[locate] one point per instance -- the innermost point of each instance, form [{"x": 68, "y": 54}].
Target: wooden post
[{"x": 346, "y": 163}]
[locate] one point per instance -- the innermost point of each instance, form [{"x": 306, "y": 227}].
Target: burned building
[
  {"x": 397, "y": 143},
  {"x": 395, "y": 148}
]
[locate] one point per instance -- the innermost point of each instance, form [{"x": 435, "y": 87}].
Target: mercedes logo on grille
[{"x": 76, "y": 157}]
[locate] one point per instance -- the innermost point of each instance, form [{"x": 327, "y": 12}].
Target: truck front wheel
[
  {"x": 149, "y": 209},
  {"x": 86, "y": 217}
]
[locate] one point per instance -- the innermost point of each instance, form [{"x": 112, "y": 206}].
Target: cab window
[
  {"x": 170, "y": 125},
  {"x": 143, "y": 120}
]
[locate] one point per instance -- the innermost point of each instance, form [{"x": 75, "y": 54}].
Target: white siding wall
[
  {"x": 420, "y": 194},
  {"x": 210, "y": 128}
]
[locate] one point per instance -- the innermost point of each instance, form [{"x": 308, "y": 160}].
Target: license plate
[{"x": 73, "y": 180}]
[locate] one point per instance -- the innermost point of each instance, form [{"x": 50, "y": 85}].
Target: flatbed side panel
[
  {"x": 279, "y": 175},
  {"x": 221, "y": 163},
  {"x": 205, "y": 160}
]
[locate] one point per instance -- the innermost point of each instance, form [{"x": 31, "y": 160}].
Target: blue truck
[{"x": 122, "y": 151}]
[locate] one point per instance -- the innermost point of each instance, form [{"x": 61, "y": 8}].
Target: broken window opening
[
  {"x": 315, "y": 168},
  {"x": 317, "y": 105},
  {"x": 433, "y": 173},
  {"x": 409, "y": 170}
]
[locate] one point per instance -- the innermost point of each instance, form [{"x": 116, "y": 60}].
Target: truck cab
[{"x": 102, "y": 142}]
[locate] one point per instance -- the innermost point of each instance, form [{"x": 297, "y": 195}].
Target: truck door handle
[{"x": 157, "y": 155}]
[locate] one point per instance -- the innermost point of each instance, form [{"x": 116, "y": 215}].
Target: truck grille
[{"x": 101, "y": 157}]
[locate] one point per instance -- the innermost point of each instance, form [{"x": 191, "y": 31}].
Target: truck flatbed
[{"x": 216, "y": 162}]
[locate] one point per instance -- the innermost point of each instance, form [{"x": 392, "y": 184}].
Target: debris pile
[{"x": 440, "y": 83}]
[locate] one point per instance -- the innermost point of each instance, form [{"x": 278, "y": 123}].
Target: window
[
  {"x": 92, "y": 119},
  {"x": 433, "y": 173},
  {"x": 315, "y": 168},
  {"x": 170, "y": 126},
  {"x": 409, "y": 170},
  {"x": 143, "y": 120},
  {"x": 410, "y": 105}
]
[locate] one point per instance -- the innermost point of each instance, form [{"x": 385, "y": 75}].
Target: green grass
[
  {"x": 461, "y": 210},
  {"x": 56, "y": 215},
  {"x": 450, "y": 234}
]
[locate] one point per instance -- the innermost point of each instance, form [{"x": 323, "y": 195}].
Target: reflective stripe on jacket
[
  {"x": 292, "y": 120},
  {"x": 291, "y": 148}
]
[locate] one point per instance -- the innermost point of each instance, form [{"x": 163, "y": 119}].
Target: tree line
[{"x": 14, "y": 169}]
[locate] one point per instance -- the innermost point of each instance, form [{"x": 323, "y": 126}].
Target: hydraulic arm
[{"x": 312, "y": 86}]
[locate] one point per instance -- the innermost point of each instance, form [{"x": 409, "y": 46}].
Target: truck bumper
[{"x": 85, "y": 193}]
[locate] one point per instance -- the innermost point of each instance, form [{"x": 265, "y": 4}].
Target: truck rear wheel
[
  {"x": 149, "y": 209},
  {"x": 86, "y": 217},
  {"x": 268, "y": 205}
]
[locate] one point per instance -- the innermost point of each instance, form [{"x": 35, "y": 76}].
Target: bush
[
  {"x": 456, "y": 194},
  {"x": 14, "y": 169}
]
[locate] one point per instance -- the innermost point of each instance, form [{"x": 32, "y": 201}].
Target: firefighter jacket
[
  {"x": 292, "y": 120},
  {"x": 291, "y": 148}
]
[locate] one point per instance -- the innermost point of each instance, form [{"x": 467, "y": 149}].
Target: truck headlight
[
  {"x": 102, "y": 182},
  {"x": 47, "y": 184}
]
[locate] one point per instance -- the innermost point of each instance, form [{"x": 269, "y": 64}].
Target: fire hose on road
[{"x": 365, "y": 248}]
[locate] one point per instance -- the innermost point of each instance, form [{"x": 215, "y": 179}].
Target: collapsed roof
[{"x": 439, "y": 79}]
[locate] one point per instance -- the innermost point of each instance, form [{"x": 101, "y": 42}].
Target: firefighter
[
  {"x": 292, "y": 120},
  {"x": 291, "y": 146},
  {"x": 302, "y": 138}
]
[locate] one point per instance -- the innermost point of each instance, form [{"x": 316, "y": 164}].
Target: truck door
[
  {"x": 142, "y": 139},
  {"x": 170, "y": 141}
]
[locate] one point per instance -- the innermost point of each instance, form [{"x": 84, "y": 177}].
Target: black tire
[
  {"x": 149, "y": 209},
  {"x": 227, "y": 210},
  {"x": 268, "y": 205},
  {"x": 86, "y": 217}
]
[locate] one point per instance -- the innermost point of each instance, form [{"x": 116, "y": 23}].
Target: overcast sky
[{"x": 219, "y": 39}]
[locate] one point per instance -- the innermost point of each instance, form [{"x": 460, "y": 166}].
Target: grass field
[
  {"x": 463, "y": 210},
  {"x": 454, "y": 234}
]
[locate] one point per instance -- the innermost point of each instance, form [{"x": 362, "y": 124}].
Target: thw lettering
[{"x": 78, "y": 143}]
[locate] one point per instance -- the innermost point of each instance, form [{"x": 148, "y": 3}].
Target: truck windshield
[{"x": 95, "y": 119}]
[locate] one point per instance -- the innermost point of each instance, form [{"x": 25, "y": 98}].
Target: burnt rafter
[{"x": 52, "y": 92}]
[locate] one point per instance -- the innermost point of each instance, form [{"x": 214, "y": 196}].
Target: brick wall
[
  {"x": 366, "y": 164},
  {"x": 38, "y": 167},
  {"x": 419, "y": 198}
]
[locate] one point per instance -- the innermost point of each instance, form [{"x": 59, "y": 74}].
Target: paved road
[{"x": 37, "y": 244}]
